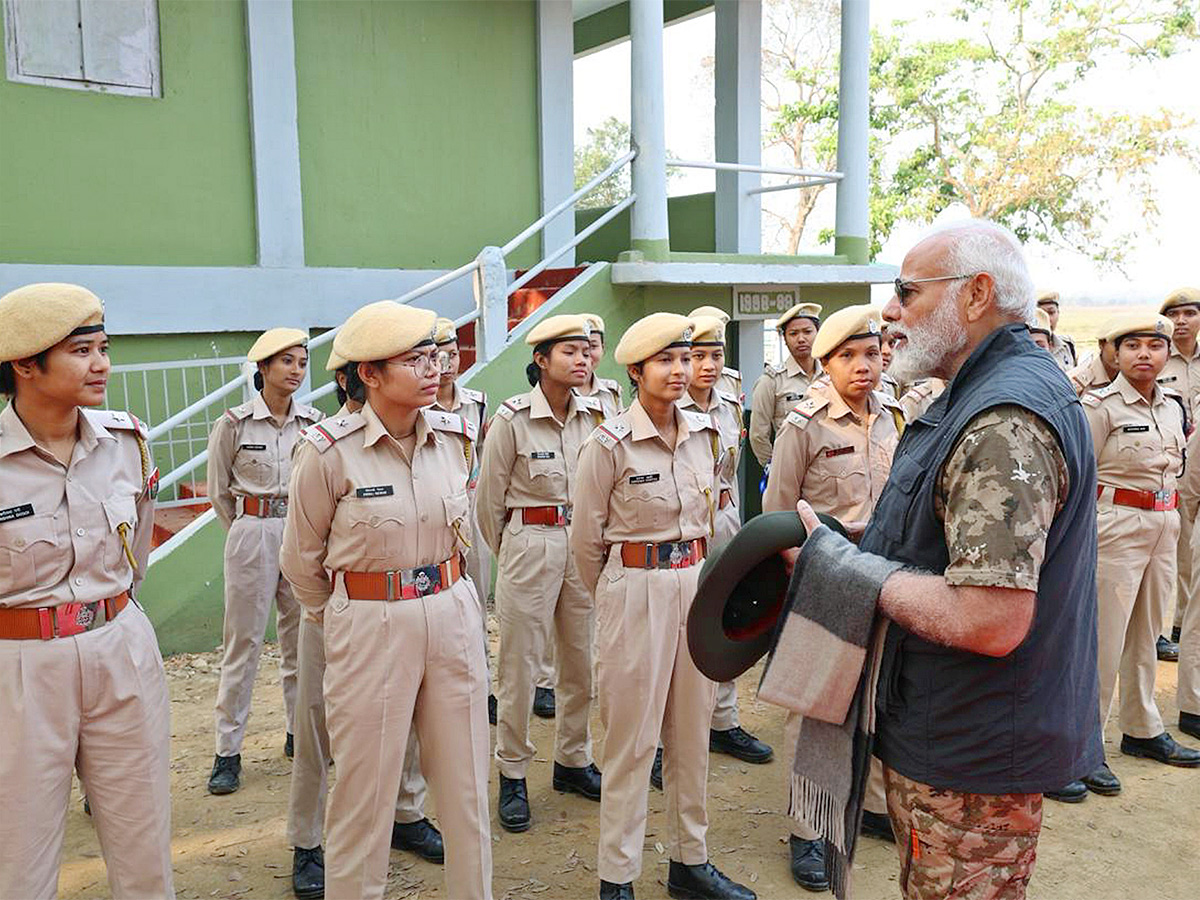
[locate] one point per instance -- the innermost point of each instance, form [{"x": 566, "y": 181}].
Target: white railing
[{"x": 812, "y": 177}]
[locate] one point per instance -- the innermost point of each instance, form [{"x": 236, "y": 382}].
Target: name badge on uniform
[
  {"x": 379, "y": 490},
  {"x": 644, "y": 479},
  {"x": 1167, "y": 379},
  {"x": 254, "y": 446},
  {"x": 1129, "y": 429},
  {"x": 24, "y": 511},
  {"x": 542, "y": 454},
  {"x": 793, "y": 396},
  {"x": 840, "y": 451}
]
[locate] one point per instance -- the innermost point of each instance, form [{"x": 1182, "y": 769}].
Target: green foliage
[{"x": 606, "y": 142}]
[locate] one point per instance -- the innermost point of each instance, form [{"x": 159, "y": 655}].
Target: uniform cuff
[{"x": 966, "y": 577}]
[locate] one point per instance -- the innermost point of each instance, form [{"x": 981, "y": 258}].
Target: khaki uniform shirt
[
  {"x": 920, "y": 396},
  {"x": 608, "y": 392},
  {"x": 830, "y": 457},
  {"x": 1088, "y": 375},
  {"x": 890, "y": 386},
  {"x": 1139, "y": 444},
  {"x": 776, "y": 393},
  {"x": 472, "y": 406},
  {"x": 250, "y": 454},
  {"x": 530, "y": 457},
  {"x": 1183, "y": 377},
  {"x": 362, "y": 501},
  {"x": 1062, "y": 348},
  {"x": 61, "y": 528},
  {"x": 633, "y": 487},
  {"x": 725, "y": 410},
  {"x": 730, "y": 381}
]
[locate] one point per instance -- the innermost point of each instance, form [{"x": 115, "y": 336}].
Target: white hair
[{"x": 979, "y": 245}]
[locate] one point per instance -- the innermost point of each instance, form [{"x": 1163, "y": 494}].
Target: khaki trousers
[
  {"x": 252, "y": 582},
  {"x": 1135, "y": 580},
  {"x": 875, "y": 800},
  {"x": 479, "y": 568},
  {"x": 97, "y": 702},
  {"x": 1183, "y": 592},
  {"x": 539, "y": 591},
  {"x": 649, "y": 685},
  {"x": 1188, "y": 688},
  {"x": 390, "y": 668},
  {"x": 310, "y": 767}
]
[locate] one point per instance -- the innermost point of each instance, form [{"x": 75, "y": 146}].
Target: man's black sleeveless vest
[{"x": 1030, "y": 721}]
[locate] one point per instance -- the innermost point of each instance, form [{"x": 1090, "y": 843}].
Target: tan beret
[
  {"x": 1142, "y": 323},
  {"x": 35, "y": 317},
  {"x": 595, "y": 321},
  {"x": 845, "y": 325},
  {"x": 714, "y": 311},
  {"x": 559, "y": 328},
  {"x": 1047, "y": 297},
  {"x": 382, "y": 330},
  {"x": 1184, "y": 296},
  {"x": 444, "y": 331},
  {"x": 652, "y": 334},
  {"x": 276, "y": 340},
  {"x": 707, "y": 330},
  {"x": 334, "y": 362},
  {"x": 1041, "y": 322},
  {"x": 808, "y": 310}
]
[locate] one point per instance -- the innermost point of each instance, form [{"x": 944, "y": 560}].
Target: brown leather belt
[
  {"x": 403, "y": 584},
  {"x": 265, "y": 507},
  {"x": 669, "y": 555},
  {"x": 542, "y": 515},
  {"x": 725, "y": 499},
  {"x": 1158, "y": 501},
  {"x": 43, "y": 623}
]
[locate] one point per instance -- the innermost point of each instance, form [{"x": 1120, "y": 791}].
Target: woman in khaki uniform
[
  {"x": 835, "y": 452},
  {"x": 249, "y": 464},
  {"x": 1138, "y": 433},
  {"x": 781, "y": 387},
  {"x": 639, "y": 535},
  {"x": 606, "y": 390},
  {"x": 376, "y": 529},
  {"x": 81, "y": 679},
  {"x": 526, "y": 488}
]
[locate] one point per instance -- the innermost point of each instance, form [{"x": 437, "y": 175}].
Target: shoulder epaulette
[
  {"x": 111, "y": 418},
  {"x": 729, "y": 396},
  {"x": 608, "y": 384},
  {"x": 236, "y": 413},
  {"x": 698, "y": 421},
  {"x": 806, "y": 409},
  {"x": 473, "y": 396},
  {"x": 887, "y": 399},
  {"x": 1170, "y": 392},
  {"x": 311, "y": 413},
  {"x": 612, "y": 431},
  {"x": 732, "y": 373},
  {"x": 326, "y": 433},
  {"x": 1097, "y": 396},
  {"x": 444, "y": 421},
  {"x": 513, "y": 405},
  {"x": 591, "y": 403}
]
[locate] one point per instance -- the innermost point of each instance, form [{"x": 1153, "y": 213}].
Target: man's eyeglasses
[{"x": 905, "y": 287}]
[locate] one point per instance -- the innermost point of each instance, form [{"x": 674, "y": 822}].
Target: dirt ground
[{"x": 1143, "y": 843}]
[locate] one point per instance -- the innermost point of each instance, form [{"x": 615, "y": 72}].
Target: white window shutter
[
  {"x": 49, "y": 42},
  {"x": 117, "y": 43}
]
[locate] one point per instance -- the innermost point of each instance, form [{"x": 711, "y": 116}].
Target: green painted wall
[
  {"x": 184, "y": 594},
  {"x": 691, "y": 219},
  {"x": 98, "y": 178},
  {"x": 418, "y": 130}
]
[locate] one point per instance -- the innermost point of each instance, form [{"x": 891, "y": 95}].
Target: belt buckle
[
  {"x": 1164, "y": 501},
  {"x": 672, "y": 554},
  {"x": 425, "y": 580},
  {"x": 277, "y": 507},
  {"x": 74, "y": 618},
  {"x": 564, "y": 515}
]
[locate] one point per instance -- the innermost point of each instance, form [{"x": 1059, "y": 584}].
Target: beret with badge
[
  {"x": 444, "y": 331},
  {"x": 651, "y": 335},
  {"x": 707, "y": 331},
  {"x": 553, "y": 329},
  {"x": 35, "y": 317},
  {"x": 805, "y": 310},
  {"x": 334, "y": 362},
  {"x": 845, "y": 325},
  {"x": 382, "y": 330},
  {"x": 595, "y": 321},
  {"x": 1184, "y": 296},
  {"x": 276, "y": 340},
  {"x": 1045, "y": 298},
  {"x": 714, "y": 311},
  {"x": 1139, "y": 324}
]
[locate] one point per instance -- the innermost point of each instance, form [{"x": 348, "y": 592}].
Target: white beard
[{"x": 939, "y": 338}]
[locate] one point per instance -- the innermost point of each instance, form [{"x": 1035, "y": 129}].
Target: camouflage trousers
[{"x": 958, "y": 845}]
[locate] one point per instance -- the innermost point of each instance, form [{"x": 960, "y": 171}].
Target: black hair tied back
[
  {"x": 258, "y": 381},
  {"x": 533, "y": 373}
]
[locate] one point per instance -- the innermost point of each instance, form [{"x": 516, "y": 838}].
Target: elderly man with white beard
[{"x": 987, "y": 693}]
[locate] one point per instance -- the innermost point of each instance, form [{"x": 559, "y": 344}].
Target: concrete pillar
[
  {"x": 556, "y": 37},
  {"x": 491, "y": 294},
  {"x": 852, "y": 216},
  {"x": 648, "y": 223}
]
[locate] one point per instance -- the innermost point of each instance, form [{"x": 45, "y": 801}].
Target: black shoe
[
  {"x": 1175, "y": 634},
  {"x": 808, "y": 864},
  {"x": 289, "y": 746},
  {"x": 87, "y": 807},
  {"x": 1163, "y": 749},
  {"x": 421, "y": 838},
  {"x": 704, "y": 882},
  {"x": 1189, "y": 724},
  {"x": 1071, "y": 792},
  {"x": 226, "y": 774},
  {"x": 583, "y": 781},
  {"x": 543, "y": 703},
  {"x": 877, "y": 825},
  {"x": 740, "y": 744},
  {"x": 491, "y": 709},
  {"x": 656, "y": 769},
  {"x": 513, "y": 808},
  {"x": 1168, "y": 651},
  {"x": 308, "y": 873},
  {"x": 611, "y": 891},
  {"x": 1102, "y": 782}
]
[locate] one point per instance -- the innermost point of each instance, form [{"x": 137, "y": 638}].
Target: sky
[{"x": 1164, "y": 256}]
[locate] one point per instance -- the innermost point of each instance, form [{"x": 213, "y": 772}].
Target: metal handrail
[
  {"x": 591, "y": 185},
  {"x": 187, "y": 412},
  {"x": 744, "y": 167},
  {"x": 793, "y": 185},
  {"x": 574, "y": 242}
]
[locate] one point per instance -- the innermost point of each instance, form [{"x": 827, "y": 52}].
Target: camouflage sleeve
[{"x": 999, "y": 491}]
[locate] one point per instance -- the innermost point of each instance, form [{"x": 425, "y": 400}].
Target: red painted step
[{"x": 540, "y": 288}]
